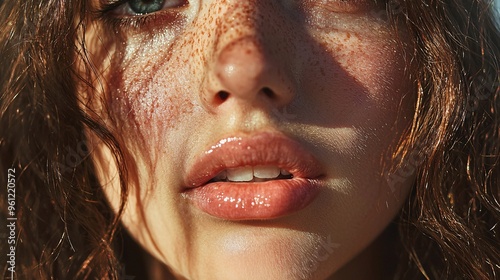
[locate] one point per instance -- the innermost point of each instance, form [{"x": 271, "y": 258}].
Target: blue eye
[
  {"x": 146, "y": 6},
  {"x": 126, "y": 8},
  {"x": 121, "y": 14}
]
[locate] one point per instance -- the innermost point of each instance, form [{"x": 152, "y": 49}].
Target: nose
[{"x": 249, "y": 71}]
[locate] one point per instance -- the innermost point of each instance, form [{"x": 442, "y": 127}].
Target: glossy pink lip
[{"x": 254, "y": 200}]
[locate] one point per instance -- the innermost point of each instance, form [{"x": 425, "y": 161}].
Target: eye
[
  {"x": 124, "y": 8},
  {"x": 145, "y": 6},
  {"x": 137, "y": 15}
]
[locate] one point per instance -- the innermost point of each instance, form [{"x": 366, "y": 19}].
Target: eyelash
[{"x": 134, "y": 21}]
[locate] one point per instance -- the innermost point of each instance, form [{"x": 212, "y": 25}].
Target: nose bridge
[
  {"x": 241, "y": 32},
  {"x": 238, "y": 18},
  {"x": 245, "y": 64}
]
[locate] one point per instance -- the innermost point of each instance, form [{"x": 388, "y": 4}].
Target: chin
[{"x": 263, "y": 253}]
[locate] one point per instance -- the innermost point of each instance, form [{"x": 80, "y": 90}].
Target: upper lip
[{"x": 265, "y": 148}]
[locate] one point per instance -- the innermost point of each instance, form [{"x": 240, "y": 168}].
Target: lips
[{"x": 263, "y": 176}]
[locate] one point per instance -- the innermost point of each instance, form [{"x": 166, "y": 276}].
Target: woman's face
[{"x": 254, "y": 131}]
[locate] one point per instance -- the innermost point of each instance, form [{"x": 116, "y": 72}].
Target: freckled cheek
[
  {"x": 150, "y": 98},
  {"x": 381, "y": 75},
  {"x": 379, "y": 72},
  {"x": 357, "y": 75},
  {"x": 376, "y": 66}
]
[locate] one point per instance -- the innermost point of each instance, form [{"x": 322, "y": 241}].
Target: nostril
[
  {"x": 222, "y": 95},
  {"x": 269, "y": 92}
]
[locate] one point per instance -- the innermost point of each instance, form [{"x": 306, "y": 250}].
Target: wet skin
[{"x": 326, "y": 74}]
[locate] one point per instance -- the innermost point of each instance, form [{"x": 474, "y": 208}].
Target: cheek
[
  {"x": 356, "y": 91},
  {"x": 354, "y": 88},
  {"x": 148, "y": 96},
  {"x": 352, "y": 72}
]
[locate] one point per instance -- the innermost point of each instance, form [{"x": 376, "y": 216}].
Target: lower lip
[{"x": 254, "y": 201}]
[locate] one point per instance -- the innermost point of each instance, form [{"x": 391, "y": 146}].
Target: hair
[{"x": 65, "y": 228}]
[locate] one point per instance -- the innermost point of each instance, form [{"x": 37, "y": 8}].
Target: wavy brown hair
[
  {"x": 450, "y": 223},
  {"x": 65, "y": 229}
]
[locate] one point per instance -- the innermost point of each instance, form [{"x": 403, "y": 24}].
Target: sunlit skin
[{"x": 325, "y": 74}]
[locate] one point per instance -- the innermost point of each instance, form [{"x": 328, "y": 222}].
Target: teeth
[
  {"x": 242, "y": 174},
  {"x": 249, "y": 173},
  {"x": 221, "y": 176},
  {"x": 266, "y": 172},
  {"x": 284, "y": 172}
]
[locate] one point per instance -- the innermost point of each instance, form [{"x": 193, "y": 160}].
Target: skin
[{"x": 338, "y": 87}]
